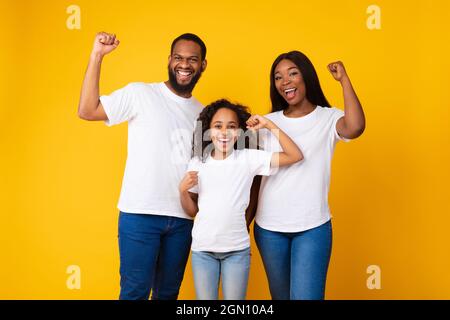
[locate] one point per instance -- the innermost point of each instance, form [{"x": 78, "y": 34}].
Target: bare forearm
[
  {"x": 188, "y": 204},
  {"x": 354, "y": 119},
  {"x": 89, "y": 98},
  {"x": 291, "y": 152}
]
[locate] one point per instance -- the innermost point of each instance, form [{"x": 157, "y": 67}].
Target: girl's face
[
  {"x": 224, "y": 128},
  {"x": 289, "y": 82}
]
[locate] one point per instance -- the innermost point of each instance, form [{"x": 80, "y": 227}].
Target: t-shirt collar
[{"x": 169, "y": 94}]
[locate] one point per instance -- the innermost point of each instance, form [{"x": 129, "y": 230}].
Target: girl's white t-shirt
[
  {"x": 223, "y": 196},
  {"x": 296, "y": 197},
  {"x": 160, "y": 126}
]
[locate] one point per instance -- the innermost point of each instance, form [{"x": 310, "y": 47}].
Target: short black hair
[
  {"x": 314, "y": 92},
  {"x": 190, "y": 37},
  {"x": 200, "y": 144}
]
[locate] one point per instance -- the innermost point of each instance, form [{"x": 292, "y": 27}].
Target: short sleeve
[
  {"x": 119, "y": 106},
  {"x": 193, "y": 165},
  {"x": 259, "y": 161},
  {"x": 337, "y": 114}
]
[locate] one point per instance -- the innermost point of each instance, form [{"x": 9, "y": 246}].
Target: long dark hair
[
  {"x": 314, "y": 92},
  {"x": 201, "y": 143}
]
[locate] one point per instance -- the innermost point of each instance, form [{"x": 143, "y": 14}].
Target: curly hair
[{"x": 201, "y": 141}]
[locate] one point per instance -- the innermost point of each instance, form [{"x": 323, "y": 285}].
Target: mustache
[{"x": 187, "y": 88}]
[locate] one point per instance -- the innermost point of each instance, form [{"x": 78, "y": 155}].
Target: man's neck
[{"x": 183, "y": 95}]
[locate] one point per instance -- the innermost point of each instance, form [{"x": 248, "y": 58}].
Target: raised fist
[
  {"x": 104, "y": 43},
  {"x": 337, "y": 70}
]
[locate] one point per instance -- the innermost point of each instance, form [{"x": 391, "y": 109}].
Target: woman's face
[
  {"x": 224, "y": 130},
  {"x": 289, "y": 82}
]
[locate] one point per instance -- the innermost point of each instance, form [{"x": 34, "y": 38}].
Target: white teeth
[
  {"x": 289, "y": 90},
  {"x": 224, "y": 140},
  {"x": 184, "y": 73}
]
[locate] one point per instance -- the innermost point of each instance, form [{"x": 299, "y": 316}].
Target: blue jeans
[
  {"x": 153, "y": 254},
  {"x": 296, "y": 263},
  {"x": 208, "y": 267}
]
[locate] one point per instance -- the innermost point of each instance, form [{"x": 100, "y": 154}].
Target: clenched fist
[
  {"x": 104, "y": 43},
  {"x": 256, "y": 122},
  {"x": 337, "y": 70},
  {"x": 190, "y": 180}
]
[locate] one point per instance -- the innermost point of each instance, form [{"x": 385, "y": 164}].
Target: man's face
[{"x": 185, "y": 66}]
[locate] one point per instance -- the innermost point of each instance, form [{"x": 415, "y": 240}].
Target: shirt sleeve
[
  {"x": 337, "y": 114},
  {"x": 259, "y": 161},
  {"x": 194, "y": 165},
  {"x": 119, "y": 106}
]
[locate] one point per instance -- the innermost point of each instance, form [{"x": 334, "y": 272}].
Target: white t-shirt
[
  {"x": 160, "y": 129},
  {"x": 223, "y": 196},
  {"x": 295, "y": 198}
]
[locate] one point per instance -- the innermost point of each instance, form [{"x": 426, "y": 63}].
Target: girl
[
  {"x": 221, "y": 173},
  {"x": 293, "y": 228}
]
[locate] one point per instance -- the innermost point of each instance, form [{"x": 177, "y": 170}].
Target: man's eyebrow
[{"x": 194, "y": 56}]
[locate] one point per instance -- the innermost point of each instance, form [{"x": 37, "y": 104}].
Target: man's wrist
[{"x": 96, "y": 57}]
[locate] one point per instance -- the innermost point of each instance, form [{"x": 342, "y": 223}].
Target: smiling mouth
[
  {"x": 223, "y": 142},
  {"x": 183, "y": 75},
  {"x": 290, "y": 93}
]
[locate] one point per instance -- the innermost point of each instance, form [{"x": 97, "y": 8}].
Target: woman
[{"x": 293, "y": 228}]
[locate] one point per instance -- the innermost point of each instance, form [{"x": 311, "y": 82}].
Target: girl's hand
[
  {"x": 256, "y": 122},
  {"x": 190, "y": 180},
  {"x": 337, "y": 70}
]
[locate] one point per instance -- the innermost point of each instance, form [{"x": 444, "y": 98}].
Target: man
[{"x": 154, "y": 231}]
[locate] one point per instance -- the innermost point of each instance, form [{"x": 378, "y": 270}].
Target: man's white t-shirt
[
  {"x": 223, "y": 196},
  {"x": 295, "y": 198},
  {"x": 160, "y": 130}
]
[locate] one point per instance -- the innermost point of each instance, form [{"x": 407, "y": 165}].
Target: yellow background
[{"x": 61, "y": 176}]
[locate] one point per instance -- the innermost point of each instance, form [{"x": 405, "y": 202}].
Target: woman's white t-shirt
[
  {"x": 160, "y": 126},
  {"x": 223, "y": 196},
  {"x": 296, "y": 197}
]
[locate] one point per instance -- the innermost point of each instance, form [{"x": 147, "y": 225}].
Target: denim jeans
[
  {"x": 296, "y": 263},
  {"x": 233, "y": 267},
  {"x": 153, "y": 254}
]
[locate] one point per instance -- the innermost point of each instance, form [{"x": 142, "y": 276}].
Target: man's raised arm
[{"x": 90, "y": 107}]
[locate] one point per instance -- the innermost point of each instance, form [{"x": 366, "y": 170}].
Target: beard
[{"x": 186, "y": 88}]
